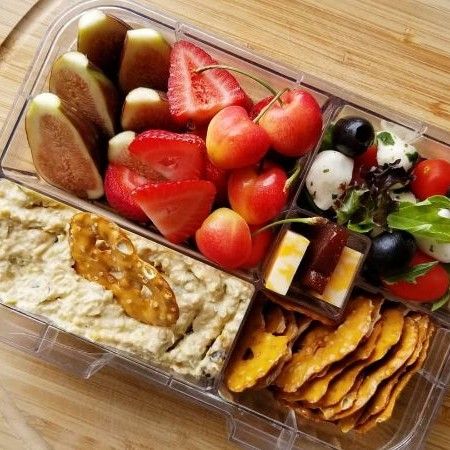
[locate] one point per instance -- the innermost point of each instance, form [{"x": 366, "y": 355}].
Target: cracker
[
  {"x": 391, "y": 324},
  {"x": 316, "y": 388},
  {"x": 274, "y": 319},
  {"x": 295, "y": 307},
  {"x": 383, "y": 394},
  {"x": 339, "y": 344},
  {"x": 387, "y": 411},
  {"x": 396, "y": 359},
  {"x": 103, "y": 253},
  {"x": 256, "y": 354},
  {"x": 292, "y": 330}
]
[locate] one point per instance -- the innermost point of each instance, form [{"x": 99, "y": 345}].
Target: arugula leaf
[
  {"x": 412, "y": 273},
  {"x": 441, "y": 302},
  {"x": 350, "y": 205},
  {"x": 423, "y": 219},
  {"x": 361, "y": 227},
  {"x": 386, "y": 138}
]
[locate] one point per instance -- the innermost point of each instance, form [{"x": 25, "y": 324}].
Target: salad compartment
[
  {"x": 255, "y": 419},
  {"x": 428, "y": 147}
]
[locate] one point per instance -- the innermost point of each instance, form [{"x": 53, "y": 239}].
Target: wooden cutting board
[{"x": 398, "y": 56}]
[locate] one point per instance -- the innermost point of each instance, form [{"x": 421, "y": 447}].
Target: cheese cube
[
  {"x": 342, "y": 278},
  {"x": 285, "y": 261}
]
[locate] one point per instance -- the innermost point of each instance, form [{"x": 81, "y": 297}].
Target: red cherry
[
  {"x": 224, "y": 238},
  {"x": 260, "y": 245},
  {"x": 258, "y": 194},
  {"x": 219, "y": 177},
  {"x": 295, "y": 125},
  {"x": 234, "y": 141}
]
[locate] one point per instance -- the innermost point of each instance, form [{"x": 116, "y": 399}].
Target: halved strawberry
[
  {"x": 176, "y": 208},
  {"x": 119, "y": 183},
  {"x": 197, "y": 97},
  {"x": 173, "y": 156}
]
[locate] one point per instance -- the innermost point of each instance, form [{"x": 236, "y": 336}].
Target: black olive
[
  {"x": 352, "y": 135},
  {"x": 391, "y": 252}
]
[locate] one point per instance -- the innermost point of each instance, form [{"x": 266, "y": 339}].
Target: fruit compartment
[
  {"x": 16, "y": 160},
  {"x": 308, "y": 298},
  {"x": 406, "y": 429},
  {"x": 428, "y": 146}
]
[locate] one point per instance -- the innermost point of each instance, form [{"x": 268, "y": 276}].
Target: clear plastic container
[{"x": 254, "y": 420}]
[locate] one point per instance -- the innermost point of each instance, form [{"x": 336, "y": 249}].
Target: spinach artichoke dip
[{"x": 37, "y": 276}]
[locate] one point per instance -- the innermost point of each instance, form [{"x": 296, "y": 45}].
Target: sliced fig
[
  {"x": 145, "y": 60},
  {"x": 118, "y": 153},
  {"x": 145, "y": 108},
  {"x": 118, "y": 148},
  {"x": 100, "y": 38},
  {"x": 63, "y": 146},
  {"x": 84, "y": 87}
]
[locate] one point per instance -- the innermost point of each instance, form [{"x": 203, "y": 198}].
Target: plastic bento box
[{"x": 254, "y": 420}]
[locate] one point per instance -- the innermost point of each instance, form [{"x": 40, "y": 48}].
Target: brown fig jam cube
[{"x": 322, "y": 256}]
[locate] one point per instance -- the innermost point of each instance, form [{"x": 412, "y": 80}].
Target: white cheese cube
[
  {"x": 342, "y": 278},
  {"x": 285, "y": 261}
]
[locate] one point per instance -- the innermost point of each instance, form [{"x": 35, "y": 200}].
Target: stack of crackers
[{"x": 349, "y": 374}]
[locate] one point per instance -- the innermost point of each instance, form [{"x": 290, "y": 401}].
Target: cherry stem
[
  {"x": 242, "y": 72},
  {"x": 269, "y": 105},
  {"x": 291, "y": 180},
  {"x": 305, "y": 220}
]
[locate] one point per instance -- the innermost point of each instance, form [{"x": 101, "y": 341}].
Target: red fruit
[
  {"x": 173, "y": 156},
  {"x": 363, "y": 163},
  {"x": 260, "y": 244},
  {"x": 197, "y": 97},
  {"x": 258, "y": 194},
  {"x": 199, "y": 130},
  {"x": 234, "y": 141},
  {"x": 119, "y": 183},
  {"x": 295, "y": 126},
  {"x": 176, "y": 208},
  {"x": 219, "y": 178},
  {"x": 431, "y": 177},
  {"x": 427, "y": 288},
  {"x": 257, "y": 107},
  {"x": 224, "y": 238}
]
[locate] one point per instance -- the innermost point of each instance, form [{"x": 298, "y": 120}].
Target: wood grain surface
[{"x": 394, "y": 53}]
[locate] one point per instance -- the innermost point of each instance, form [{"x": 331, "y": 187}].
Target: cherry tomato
[
  {"x": 364, "y": 162},
  {"x": 431, "y": 177},
  {"x": 427, "y": 288}
]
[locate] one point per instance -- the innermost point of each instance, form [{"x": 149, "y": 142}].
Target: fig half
[
  {"x": 100, "y": 38},
  {"x": 145, "y": 60},
  {"x": 118, "y": 149},
  {"x": 145, "y": 108},
  {"x": 84, "y": 87},
  {"x": 64, "y": 147}
]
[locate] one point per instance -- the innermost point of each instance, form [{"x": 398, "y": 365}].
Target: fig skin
[
  {"x": 145, "y": 61},
  {"x": 100, "y": 38},
  {"x": 86, "y": 89},
  {"x": 144, "y": 109},
  {"x": 65, "y": 148}
]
